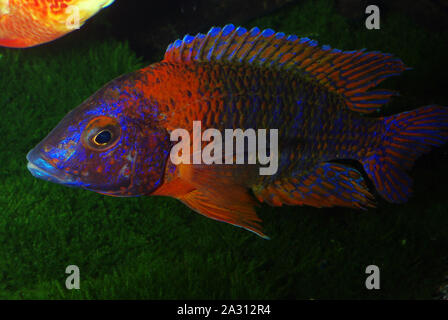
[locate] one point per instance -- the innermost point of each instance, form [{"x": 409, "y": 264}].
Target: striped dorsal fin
[{"x": 350, "y": 73}]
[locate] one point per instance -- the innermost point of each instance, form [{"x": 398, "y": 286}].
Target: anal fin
[{"x": 328, "y": 185}]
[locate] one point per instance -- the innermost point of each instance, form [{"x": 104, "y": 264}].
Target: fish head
[{"x": 111, "y": 144}]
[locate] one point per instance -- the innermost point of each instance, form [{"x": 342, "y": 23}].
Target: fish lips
[{"x": 41, "y": 168}]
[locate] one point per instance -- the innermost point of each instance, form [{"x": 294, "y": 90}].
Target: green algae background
[{"x": 157, "y": 248}]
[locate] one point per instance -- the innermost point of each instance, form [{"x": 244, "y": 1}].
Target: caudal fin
[{"x": 407, "y": 136}]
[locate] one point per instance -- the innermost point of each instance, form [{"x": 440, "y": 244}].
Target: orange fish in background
[
  {"x": 28, "y": 23},
  {"x": 118, "y": 141}
]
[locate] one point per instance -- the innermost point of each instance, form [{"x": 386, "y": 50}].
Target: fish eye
[
  {"x": 103, "y": 137},
  {"x": 101, "y": 133}
]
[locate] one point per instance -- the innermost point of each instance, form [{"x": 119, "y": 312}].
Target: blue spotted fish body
[{"x": 317, "y": 97}]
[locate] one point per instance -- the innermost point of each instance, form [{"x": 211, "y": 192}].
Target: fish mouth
[{"x": 41, "y": 168}]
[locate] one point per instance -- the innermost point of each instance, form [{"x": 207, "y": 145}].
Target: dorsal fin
[{"x": 350, "y": 73}]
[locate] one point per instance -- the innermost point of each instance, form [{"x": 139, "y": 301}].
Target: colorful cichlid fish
[
  {"x": 28, "y": 23},
  {"x": 118, "y": 141}
]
